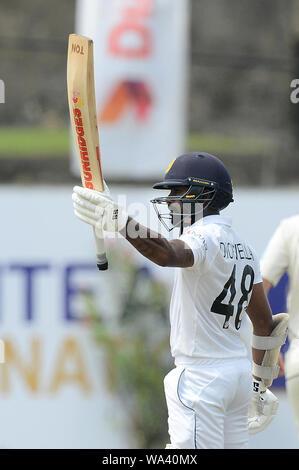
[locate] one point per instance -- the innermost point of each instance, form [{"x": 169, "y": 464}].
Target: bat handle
[{"x": 102, "y": 262}]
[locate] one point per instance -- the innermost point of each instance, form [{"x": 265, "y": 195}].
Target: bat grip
[{"x": 102, "y": 262}]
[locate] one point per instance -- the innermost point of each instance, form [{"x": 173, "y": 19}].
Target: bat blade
[{"x": 83, "y": 116}]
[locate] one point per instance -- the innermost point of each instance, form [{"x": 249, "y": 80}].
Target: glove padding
[
  {"x": 98, "y": 209},
  {"x": 262, "y": 409}
]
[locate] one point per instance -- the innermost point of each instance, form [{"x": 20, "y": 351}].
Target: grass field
[
  {"x": 33, "y": 142},
  {"x": 43, "y": 142}
]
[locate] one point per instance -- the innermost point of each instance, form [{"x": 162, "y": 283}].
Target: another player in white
[
  {"x": 217, "y": 279},
  {"x": 282, "y": 255}
]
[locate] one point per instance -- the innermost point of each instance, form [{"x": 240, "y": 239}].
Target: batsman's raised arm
[
  {"x": 100, "y": 211},
  {"x": 155, "y": 247}
]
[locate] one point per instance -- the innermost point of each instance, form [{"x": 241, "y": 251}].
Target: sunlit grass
[
  {"x": 220, "y": 144},
  {"x": 42, "y": 142},
  {"x": 34, "y": 142}
]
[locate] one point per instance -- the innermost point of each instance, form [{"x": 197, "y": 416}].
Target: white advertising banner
[
  {"x": 141, "y": 54},
  {"x": 53, "y": 387}
]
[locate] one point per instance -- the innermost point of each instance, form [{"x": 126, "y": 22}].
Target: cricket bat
[{"x": 83, "y": 115}]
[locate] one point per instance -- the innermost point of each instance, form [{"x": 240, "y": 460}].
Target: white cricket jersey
[
  {"x": 209, "y": 298},
  {"x": 282, "y": 255}
]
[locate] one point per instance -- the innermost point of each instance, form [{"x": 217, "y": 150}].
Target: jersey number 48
[{"x": 230, "y": 286}]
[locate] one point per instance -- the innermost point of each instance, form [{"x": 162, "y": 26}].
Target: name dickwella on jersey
[{"x": 236, "y": 251}]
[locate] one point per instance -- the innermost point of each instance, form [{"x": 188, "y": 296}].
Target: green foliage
[{"x": 137, "y": 348}]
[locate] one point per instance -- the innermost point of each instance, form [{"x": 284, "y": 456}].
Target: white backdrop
[
  {"x": 141, "y": 56},
  {"x": 53, "y": 391}
]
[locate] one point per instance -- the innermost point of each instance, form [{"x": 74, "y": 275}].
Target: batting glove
[
  {"x": 263, "y": 408},
  {"x": 98, "y": 209}
]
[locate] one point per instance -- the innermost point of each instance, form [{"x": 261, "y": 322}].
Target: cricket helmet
[{"x": 207, "y": 181}]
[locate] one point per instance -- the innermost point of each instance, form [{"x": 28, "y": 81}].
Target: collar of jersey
[{"x": 214, "y": 219}]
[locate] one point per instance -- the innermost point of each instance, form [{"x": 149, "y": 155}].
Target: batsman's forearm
[{"x": 149, "y": 243}]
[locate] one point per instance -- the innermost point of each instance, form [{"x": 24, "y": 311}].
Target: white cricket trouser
[
  {"x": 292, "y": 378},
  {"x": 208, "y": 404}
]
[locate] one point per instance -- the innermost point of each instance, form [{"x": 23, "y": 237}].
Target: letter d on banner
[
  {"x": 2, "y": 351},
  {"x": 140, "y": 81}
]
